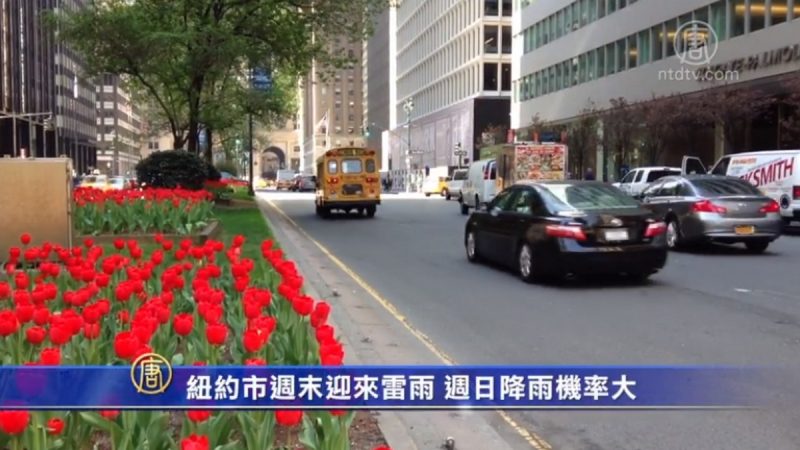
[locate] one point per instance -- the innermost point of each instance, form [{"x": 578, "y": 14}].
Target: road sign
[
  {"x": 262, "y": 79},
  {"x": 460, "y": 153}
]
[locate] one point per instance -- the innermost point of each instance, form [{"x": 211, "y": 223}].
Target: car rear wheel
[
  {"x": 756, "y": 246},
  {"x": 673, "y": 234},
  {"x": 525, "y": 263},
  {"x": 471, "y": 245}
]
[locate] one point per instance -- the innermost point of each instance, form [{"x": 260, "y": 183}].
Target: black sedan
[{"x": 547, "y": 230}]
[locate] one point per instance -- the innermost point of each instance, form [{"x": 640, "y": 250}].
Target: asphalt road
[{"x": 716, "y": 306}]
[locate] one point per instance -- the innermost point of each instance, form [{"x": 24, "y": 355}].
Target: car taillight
[
  {"x": 566, "y": 231},
  {"x": 796, "y": 192},
  {"x": 771, "y": 207},
  {"x": 655, "y": 229},
  {"x": 708, "y": 207}
]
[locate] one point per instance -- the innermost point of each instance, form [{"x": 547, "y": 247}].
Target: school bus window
[
  {"x": 351, "y": 166},
  {"x": 370, "y": 166},
  {"x": 333, "y": 167}
]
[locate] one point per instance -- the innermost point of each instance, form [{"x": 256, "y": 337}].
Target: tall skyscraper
[
  {"x": 332, "y": 106},
  {"x": 453, "y": 78},
  {"x": 119, "y": 128},
  {"x": 47, "y": 104}
]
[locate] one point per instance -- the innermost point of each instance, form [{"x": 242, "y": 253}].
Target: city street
[{"x": 714, "y": 306}]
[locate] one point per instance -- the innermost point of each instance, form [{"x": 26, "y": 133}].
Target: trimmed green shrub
[{"x": 175, "y": 168}]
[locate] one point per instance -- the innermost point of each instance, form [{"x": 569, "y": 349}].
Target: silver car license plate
[{"x": 616, "y": 235}]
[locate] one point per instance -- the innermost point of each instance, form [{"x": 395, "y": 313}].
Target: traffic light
[{"x": 427, "y": 171}]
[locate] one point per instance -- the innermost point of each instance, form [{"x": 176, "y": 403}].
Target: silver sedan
[{"x": 703, "y": 208}]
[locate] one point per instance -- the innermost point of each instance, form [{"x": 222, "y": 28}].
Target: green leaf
[{"x": 97, "y": 421}]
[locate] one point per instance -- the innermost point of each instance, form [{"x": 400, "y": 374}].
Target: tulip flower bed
[
  {"x": 199, "y": 304},
  {"x": 141, "y": 211}
]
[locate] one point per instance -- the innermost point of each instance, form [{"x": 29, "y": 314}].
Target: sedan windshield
[
  {"x": 588, "y": 197},
  {"x": 724, "y": 186}
]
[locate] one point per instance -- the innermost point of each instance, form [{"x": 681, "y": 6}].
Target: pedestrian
[{"x": 589, "y": 174}]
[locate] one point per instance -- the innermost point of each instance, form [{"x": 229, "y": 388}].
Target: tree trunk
[
  {"x": 178, "y": 141},
  {"x": 209, "y": 146}
]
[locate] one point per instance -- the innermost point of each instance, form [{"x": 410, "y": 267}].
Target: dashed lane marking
[{"x": 531, "y": 438}]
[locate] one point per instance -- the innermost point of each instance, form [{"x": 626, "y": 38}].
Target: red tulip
[
  {"x": 14, "y": 422},
  {"x": 109, "y": 414},
  {"x": 25, "y": 238},
  {"x": 238, "y": 240},
  {"x": 320, "y": 314},
  {"x": 25, "y": 312},
  {"x": 253, "y": 340},
  {"x": 119, "y": 244},
  {"x": 60, "y": 334},
  {"x": 50, "y": 356},
  {"x": 195, "y": 442},
  {"x": 126, "y": 344},
  {"x": 255, "y": 362},
  {"x": 198, "y": 416},
  {"x": 35, "y": 335},
  {"x": 303, "y": 305},
  {"x": 41, "y": 316},
  {"x": 9, "y": 324},
  {"x": 91, "y": 331},
  {"x": 288, "y": 418},
  {"x": 183, "y": 323},
  {"x": 216, "y": 333},
  {"x": 55, "y": 426}
]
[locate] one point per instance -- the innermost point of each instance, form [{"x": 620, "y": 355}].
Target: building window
[
  {"x": 505, "y": 79},
  {"x": 758, "y": 15},
  {"x": 592, "y": 10},
  {"x": 719, "y": 20},
  {"x": 737, "y": 17},
  {"x": 591, "y": 66},
  {"x": 658, "y": 42},
  {"x": 491, "y": 7},
  {"x": 507, "y": 8},
  {"x": 490, "y": 77},
  {"x": 778, "y": 11},
  {"x": 490, "y": 38},
  {"x": 644, "y": 46},
  {"x": 507, "y": 40},
  {"x": 565, "y": 74},
  {"x": 622, "y": 58},
  {"x": 671, "y": 30},
  {"x": 611, "y": 64},
  {"x": 633, "y": 52},
  {"x": 296, "y": 149},
  {"x": 601, "y": 62}
]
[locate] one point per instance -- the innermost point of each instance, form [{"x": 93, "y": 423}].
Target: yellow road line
[{"x": 531, "y": 438}]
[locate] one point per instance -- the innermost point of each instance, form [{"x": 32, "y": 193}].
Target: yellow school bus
[{"x": 348, "y": 180}]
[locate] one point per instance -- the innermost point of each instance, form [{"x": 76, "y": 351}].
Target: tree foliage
[
  {"x": 583, "y": 139},
  {"x": 734, "y": 109},
  {"x": 790, "y": 119},
  {"x": 175, "y": 169},
  {"x": 192, "y": 57},
  {"x": 620, "y": 127}
]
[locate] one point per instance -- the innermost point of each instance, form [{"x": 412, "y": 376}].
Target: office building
[
  {"x": 332, "y": 107},
  {"x": 119, "y": 128},
  {"x": 47, "y": 105},
  {"x": 379, "y": 89},
  {"x": 453, "y": 63},
  {"x": 568, "y": 53}
]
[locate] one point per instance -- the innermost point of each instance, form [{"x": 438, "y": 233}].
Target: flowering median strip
[
  {"x": 130, "y": 211},
  {"x": 196, "y": 304}
]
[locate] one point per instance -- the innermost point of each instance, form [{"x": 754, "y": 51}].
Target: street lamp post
[{"x": 408, "y": 107}]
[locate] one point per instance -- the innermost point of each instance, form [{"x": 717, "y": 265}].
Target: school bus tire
[{"x": 371, "y": 211}]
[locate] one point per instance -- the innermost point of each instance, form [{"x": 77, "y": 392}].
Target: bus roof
[{"x": 347, "y": 151}]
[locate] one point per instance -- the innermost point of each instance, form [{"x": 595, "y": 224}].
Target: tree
[
  {"x": 583, "y": 139},
  {"x": 660, "y": 118},
  {"x": 185, "y": 53},
  {"x": 620, "y": 126},
  {"x": 790, "y": 119},
  {"x": 734, "y": 109}
]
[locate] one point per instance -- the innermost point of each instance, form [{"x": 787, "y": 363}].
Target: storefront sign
[{"x": 784, "y": 55}]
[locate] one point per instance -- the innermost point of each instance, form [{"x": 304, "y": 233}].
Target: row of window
[
  {"x": 728, "y": 18},
  {"x": 574, "y": 16},
  {"x": 425, "y": 33},
  {"x": 496, "y": 38}
]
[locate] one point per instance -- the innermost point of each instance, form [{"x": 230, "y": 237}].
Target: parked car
[
  {"x": 435, "y": 185},
  {"x": 770, "y": 171},
  {"x": 285, "y": 179},
  {"x": 702, "y": 208},
  {"x": 95, "y": 181},
  {"x": 305, "y": 183},
  {"x": 120, "y": 183},
  {"x": 455, "y": 184},
  {"x": 546, "y": 230},
  {"x": 634, "y": 182},
  {"x": 479, "y": 187}
]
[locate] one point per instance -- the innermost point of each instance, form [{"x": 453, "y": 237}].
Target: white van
[
  {"x": 776, "y": 173},
  {"x": 479, "y": 187}
]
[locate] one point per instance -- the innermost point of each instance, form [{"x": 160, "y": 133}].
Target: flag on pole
[{"x": 322, "y": 125}]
